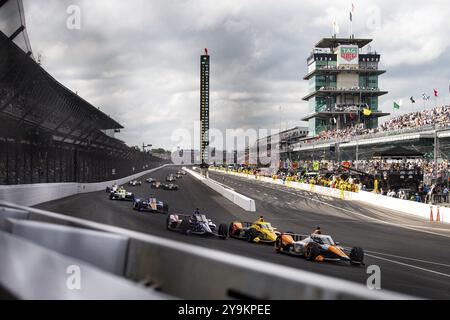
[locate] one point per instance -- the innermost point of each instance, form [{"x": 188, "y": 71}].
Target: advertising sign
[{"x": 348, "y": 56}]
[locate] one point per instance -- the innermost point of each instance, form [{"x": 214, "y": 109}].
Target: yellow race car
[{"x": 258, "y": 231}]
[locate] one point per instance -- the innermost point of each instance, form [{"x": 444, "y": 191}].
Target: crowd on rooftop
[{"x": 437, "y": 117}]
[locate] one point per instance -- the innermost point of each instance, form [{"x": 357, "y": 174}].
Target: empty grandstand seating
[{"x": 50, "y": 134}]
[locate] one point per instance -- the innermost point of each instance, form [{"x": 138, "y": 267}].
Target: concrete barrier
[
  {"x": 237, "y": 198},
  {"x": 417, "y": 209},
  {"x": 33, "y": 194}
]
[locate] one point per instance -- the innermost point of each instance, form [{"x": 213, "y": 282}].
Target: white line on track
[
  {"x": 375, "y": 219},
  {"x": 412, "y": 259},
  {"x": 409, "y": 265}
]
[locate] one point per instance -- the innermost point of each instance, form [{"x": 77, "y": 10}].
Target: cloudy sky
[{"x": 138, "y": 60}]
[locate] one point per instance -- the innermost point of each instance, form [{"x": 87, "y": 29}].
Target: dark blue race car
[{"x": 150, "y": 205}]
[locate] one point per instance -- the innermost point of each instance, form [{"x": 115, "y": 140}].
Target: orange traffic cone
[
  {"x": 431, "y": 214},
  {"x": 438, "y": 215}
]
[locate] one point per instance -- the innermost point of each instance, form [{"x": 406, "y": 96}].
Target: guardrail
[
  {"x": 33, "y": 194},
  {"x": 193, "y": 272}
]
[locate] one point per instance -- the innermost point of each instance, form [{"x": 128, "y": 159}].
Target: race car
[
  {"x": 170, "y": 178},
  {"x": 317, "y": 247},
  {"x": 121, "y": 194},
  {"x": 196, "y": 224},
  {"x": 157, "y": 185},
  {"x": 170, "y": 187},
  {"x": 149, "y": 180},
  {"x": 150, "y": 205},
  {"x": 114, "y": 187},
  {"x": 183, "y": 172},
  {"x": 258, "y": 231},
  {"x": 134, "y": 183},
  {"x": 178, "y": 176}
]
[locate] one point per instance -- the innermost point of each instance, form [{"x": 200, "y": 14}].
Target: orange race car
[{"x": 317, "y": 247}]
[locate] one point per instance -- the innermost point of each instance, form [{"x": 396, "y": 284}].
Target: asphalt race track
[{"x": 413, "y": 255}]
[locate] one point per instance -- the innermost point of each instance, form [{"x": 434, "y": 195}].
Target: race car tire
[
  {"x": 357, "y": 255},
  {"x": 111, "y": 196},
  {"x": 251, "y": 234},
  {"x": 312, "y": 251},
  {"x": 165, "y": 209},
  {"x": 168, "y": 223},
  {"x": 223, "y": 231},
  {"x": 230, "y": 230},
  {"x": 278, "y": 245},
  {"x": 108, "y": 189}
]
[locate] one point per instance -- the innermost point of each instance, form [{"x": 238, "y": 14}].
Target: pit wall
[
  {"x": 242, "y": 201},
  {"x": 423, "y": 210},
  {"x": 33, "y": 194}
]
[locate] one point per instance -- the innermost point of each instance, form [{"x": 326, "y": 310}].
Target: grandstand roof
[
  {"x": 335, "y": 92},
  {"x": 324, "y": 71},
  {"x": 18, "y": 63},
  {"x": 335, "y": 42},
  {"x": 398, "y": 152},
  {"x": 331, "y": 114},
  {"x": 34, "y": 101}
]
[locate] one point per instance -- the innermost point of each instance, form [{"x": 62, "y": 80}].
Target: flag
[
  {"x": 351, "y": 12},
  {"x": 367, "y": 112},
  {"x": 335, "y": 27},
  {"x": 316, "y": 165},
  {"x": 396, "y": 105},
  {"x": 412, "y": 100},
  {"x": 425, "y": 97},
  {"x": 435, "y": 92}
]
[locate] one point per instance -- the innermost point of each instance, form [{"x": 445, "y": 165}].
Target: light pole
[{"x": 146, "y": 146}]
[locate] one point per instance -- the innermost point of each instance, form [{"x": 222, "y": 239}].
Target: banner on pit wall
[
  {"x": 346, "y": 165},
  {"x": 348, "y": 55}
]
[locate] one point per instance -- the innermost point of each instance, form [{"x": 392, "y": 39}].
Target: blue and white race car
[{"x": 150, "y": 205}]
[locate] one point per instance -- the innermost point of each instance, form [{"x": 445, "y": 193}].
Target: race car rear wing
[{"x": 296, "y": 236}]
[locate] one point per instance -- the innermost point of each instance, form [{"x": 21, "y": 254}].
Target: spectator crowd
[
  {"x": 436, "y": 117},
  {"x": 327, "y": 174}
]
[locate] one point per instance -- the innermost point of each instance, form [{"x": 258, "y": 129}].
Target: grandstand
[{"x": 49, "y": 133}]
